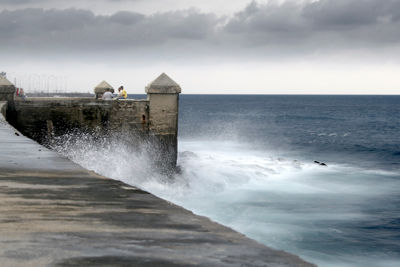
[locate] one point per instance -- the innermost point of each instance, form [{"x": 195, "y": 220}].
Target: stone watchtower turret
[
  {"x": 163, "y": 95},
  {"x": 7, "y": 92},
  {"x": 100, "y": 89}
]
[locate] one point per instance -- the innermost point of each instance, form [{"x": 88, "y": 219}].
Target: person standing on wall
[{"x": 122, "y": 93}]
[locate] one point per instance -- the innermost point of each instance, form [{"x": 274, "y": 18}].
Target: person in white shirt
[{"x": 107, "y": 95}]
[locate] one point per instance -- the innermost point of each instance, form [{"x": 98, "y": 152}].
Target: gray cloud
[
  {"x": 345, "y": 13},
  {"x": 21, "y": 2},
  {"x": 82, "y": 29},
  {"x": 272, "y": 28},
  {"x": 18, "y": 2},
  {"x": 339, "y": 23}
]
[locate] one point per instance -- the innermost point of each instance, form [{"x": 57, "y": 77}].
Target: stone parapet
[
  {"x": 154, "y": 118},
  {"x": 86, "y": 114}
]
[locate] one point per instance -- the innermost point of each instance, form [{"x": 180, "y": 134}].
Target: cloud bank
[{"x": 288, "y": 28}]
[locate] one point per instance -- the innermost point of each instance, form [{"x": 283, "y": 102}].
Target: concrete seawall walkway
[{"x": 55, "y": 213}]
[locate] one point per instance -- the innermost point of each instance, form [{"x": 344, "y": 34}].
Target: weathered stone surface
[
  {"x": 7, "y": 91},
  {"x": 86, "y": 114},
  {"x": 163, "y": 85},
  {"x": 102, "y": 87},
  {"x": 5, "y": 82},
  {"x": 129, "y": 116},
  {"x": 55, "y": 213}
]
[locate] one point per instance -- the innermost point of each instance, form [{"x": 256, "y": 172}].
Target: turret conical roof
[
  {"x": 163, "y": 85},
  {"x": 102, "y": 87},
  {"x": 5, "y": 82},
  {"x": 6, "y": 87}
]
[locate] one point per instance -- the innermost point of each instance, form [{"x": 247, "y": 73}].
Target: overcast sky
[{"x": 207, "y": 46}]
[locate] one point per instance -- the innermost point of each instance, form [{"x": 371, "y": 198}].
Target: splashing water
[
  {"x": 328, "y": 215},
  {"x": 111, "y": 156}
]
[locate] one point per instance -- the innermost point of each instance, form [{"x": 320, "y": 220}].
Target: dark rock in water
[
  {"x": 17, "y": 134},
  {"x": 320, "y": 163}
]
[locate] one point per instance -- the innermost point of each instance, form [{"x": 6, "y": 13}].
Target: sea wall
[
  {"x": 41, "y": 118},
  {"x": 136, "y": 121},
  {"x": 153, "y": 120}
]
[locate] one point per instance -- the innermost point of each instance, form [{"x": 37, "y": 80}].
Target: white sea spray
[{"x": 283, "y": 202}]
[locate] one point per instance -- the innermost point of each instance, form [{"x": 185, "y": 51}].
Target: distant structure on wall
[
  {"x": 7, "y": 91},
  {"x": 154, "y": 119},
  {"x": 100, "y": 89}
]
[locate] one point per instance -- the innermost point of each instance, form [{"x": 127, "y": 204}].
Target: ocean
[{"x": 248, "y": 162}]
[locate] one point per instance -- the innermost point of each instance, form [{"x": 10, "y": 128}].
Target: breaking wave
[{"x": 321, "y": 213}]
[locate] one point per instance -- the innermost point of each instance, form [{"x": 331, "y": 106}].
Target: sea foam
[{"x": 287, "y": 203}]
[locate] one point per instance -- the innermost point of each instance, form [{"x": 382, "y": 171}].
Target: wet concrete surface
[{"x": 55, "y": 213}]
